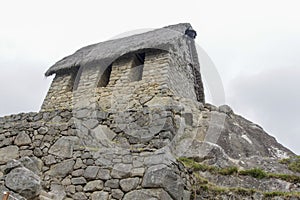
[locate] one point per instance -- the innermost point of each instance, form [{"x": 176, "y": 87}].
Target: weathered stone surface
[
  {"x": 147, "y": 194},
  {"x": 121, "y": 170},
  {"x": 129, "y": 184},
  {"x": 117, "y": 193},
  {"x": 78, "y": 163},
  {"x": 186, "y": 195},
  {"x": 24, "y": 182},
  {"x": 79, "y": 196},
  {"x": 33, "y": 164},
  {"x": 165, "y": 158},
  {"x": 137, "y": 172},
  {"x": 104, "y": 174},
  {"x": 103, "y": 162},
  {"x": 93, "y": 186},
  {"x": 66, "y": 181},
  {"x": 57, "y": 191},
  {"x": 91, "y": 123},
  {"x": 8, "y": 153},
  {"x": 78, "y": 172},
  {"x": 49, "y": 160},
  {"x": 71, "y": 189},
  {"x": 62, "y": 169},
  {"x": 63, "y": 147},
  {"x": 43, "y": 130},
  {"x": 3, "y": 191},
  {"x": 91, "y": 172},
  {"x": 225, "y": 109},
  {"x": 162, "y": 176},
  {"x": 112, "y": 183},
  {"x": 78, "y": 181},
  {"x": 203, "y": 150},
  {"x": 103, "y": 133},
  {"x": 11, "y": 165},
  {"x": 100, "y": 195},
  {"x": 22, "y": 139},
  {"x": 5, "y": 141}
]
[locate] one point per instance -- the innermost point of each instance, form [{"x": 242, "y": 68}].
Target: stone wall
[
  {"x": 161, "y": 71},
  {"x": 92, "y": 154},
  {"x": 96, "y": 153},
  {"x": 60, "y": 92}
]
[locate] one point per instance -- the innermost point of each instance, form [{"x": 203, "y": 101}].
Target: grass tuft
[
  {"x": 255, "y": 172},
  {"x": 293, "y": 163}
]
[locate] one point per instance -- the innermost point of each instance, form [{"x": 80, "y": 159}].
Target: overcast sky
[{"x": 255, "y": 46}]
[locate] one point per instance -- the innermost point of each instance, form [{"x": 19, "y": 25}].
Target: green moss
[
  {"x": 282, "y": 194},
  {"x": 228, "y": 171},
  {"x": 190, "y": 163},
  {"x": 293, "y": 163},
  {"x": 286, "y": 177},
  {"x": 284, "y": 161},
  {"x": 255, "y": 172},
  {"x": 243, "y": 191},
  {"x": 203, "y": 185}
]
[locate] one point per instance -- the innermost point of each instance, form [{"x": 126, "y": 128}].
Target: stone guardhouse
[
  {"x": 113, "y": 123},
  {"x": 156, "y": 61},
  {"x": 119, "y": 120},
  {"x": 126, "y": 92}
]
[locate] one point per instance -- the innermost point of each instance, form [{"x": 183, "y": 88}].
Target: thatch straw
[{"x": 163, "y": 38}]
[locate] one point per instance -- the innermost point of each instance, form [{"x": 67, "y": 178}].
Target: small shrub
[
  {"x": 229, "y": 170},
  {"x": 293, "y": 163},
  {"x": 243, "y": 191},
  {"x": 189, "y": 162},
  {"x": 286, "y": 177},
  {"x": 274, "y": 194},
  {"x": 255, "y": 172},
  {"x": 284, "y": 161},
  {"x": 282, "y": 194}
]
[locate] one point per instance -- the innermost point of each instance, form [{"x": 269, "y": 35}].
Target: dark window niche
[
  {"x": 104, "y": 76},
  {"x": 136, "y": 71},
  {"x": 76, "y": 78}
]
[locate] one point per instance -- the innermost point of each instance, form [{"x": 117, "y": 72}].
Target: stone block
[
  {"x": 112, "y": 183},
  {"x": 129, "y": 184},
  {"x": 103, "y": 174},
  {"x": 91, "y": 172},
  {"x": 78, "y": 181},
  {"x": 117, "y": 193},
  {"x": 93, "y": 186},
  {"x": 24, "y": 182},
  {"x": 8, "y": 153},
  {"x": 163, "y": 176},
  {"x": 62, "y": 169},
  {"x": 144, "y": 194},
  {"x": 102, "y": 195},
  {"x": 63, "y": 147},
  {"x": 121, "y": 170},
  {"x": 22, "y": 139},
  {"x": 137, "y": 172}
]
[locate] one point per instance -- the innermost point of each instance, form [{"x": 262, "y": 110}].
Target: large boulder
[
  {"x": 161, "y": 176},
  {"x": 8, "y": 153},
  {"x": 153, "y": 194},
  {"x": 63, "y": 147},
  {"x": 24, "y": 182}
]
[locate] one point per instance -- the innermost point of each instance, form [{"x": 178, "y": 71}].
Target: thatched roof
[{"x": 163, "y": 38}]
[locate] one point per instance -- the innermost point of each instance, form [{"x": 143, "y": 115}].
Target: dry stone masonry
[{"x": 118, "y": 117}]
